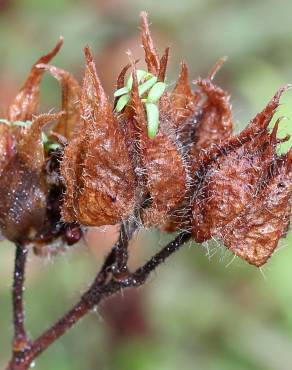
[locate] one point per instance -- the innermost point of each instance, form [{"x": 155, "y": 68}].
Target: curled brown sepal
[
  {"x": 202, "y": 120},
  {"x": 26, "y": 102},
  {"x": 163, "y": 165},
  {"x": 71, "y": 93},
  {"x": 262, "y": 120},
  {"x": 96, "y": 167},
  {"x": 6, "y": 146},
  {"x": 254, "y": 234},
  {"x": 163, "y": 65},
  {"x": 183, "y": 100},
  {"x": 30, "y": 147},
  {"x": 215, "y": 123},
  {"x": 231, "y": 176},
  {"x": 151, "y": 55}
]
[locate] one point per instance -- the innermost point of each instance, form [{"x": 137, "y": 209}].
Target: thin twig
[
  {"x": 119, "y": 268},
  {"x": 141, "y": 274},
  {"x": 20, "y": 341}
]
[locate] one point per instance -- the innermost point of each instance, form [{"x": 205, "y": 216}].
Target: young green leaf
[
  {"x": 5, "y": 121},
  {"x": 147, "y": 85},
  {"x": 152, "y": 112},
  {"x": 24, "y": 124},
  {"x": 48, "y": 144},
  {"x": 140, "y": 75},
  {"x": 122, "y": 91},
  {"x": 122, "y": 102},
  {"x": 156, "y": 92},
  {"x": 16, "y": 123}
]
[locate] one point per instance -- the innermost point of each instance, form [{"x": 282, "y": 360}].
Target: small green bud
[
  {"x": 147, "y": 85},
  {"x": 5, "y": 121},
  {"x": 152, "y": 112},
  {"x": 24, "y": 124},
  {"x": 122, "y": 102},
  {"x": 48, "y": 144},
  {"x": 122, "y": 91},
  {"x": 140, "y": 75},
  {"x": 156, "y": 92}
]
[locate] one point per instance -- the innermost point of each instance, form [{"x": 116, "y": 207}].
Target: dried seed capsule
[
  {"x": 254, "y": 234},
  {"x": 96, "y": 167},
  {"x": 229, "y": 187},
  {"x": 23, "y": 200},
  {"x": 163, "y": 164},
  {"x": 30, "y": 194}
]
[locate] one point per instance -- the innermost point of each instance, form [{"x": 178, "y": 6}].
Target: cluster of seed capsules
[{"x": 168, "y": 158}]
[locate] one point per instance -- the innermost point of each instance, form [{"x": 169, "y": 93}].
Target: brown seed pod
[
  {"x": 202, "y": 119},
  {"x": 187, "y": 173},
  {"x": 23, "y": 206},
  {"x": 104, "y": 186},
  {"x": 254, "y": 234},
  {"x": 96, "y": 166},
  {"x": 232, "y": 176},
  {"x": 162, "y": 160},
  {"x": 165, "y": 170},
  {"x": 30, "y": 192},
  {"x": 23, "y": 107}
]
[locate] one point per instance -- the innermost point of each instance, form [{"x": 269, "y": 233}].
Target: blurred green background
[{"x": 203, "y": 309}]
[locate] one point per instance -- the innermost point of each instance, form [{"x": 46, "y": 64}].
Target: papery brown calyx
[
  {"x": 231, "y": 183},
  {"x": 112, "y": 168},
  {"x": 163, "y": 165},
  {"x": 22, "y": 185},
  {"x": 30, "y": 185},
  {"x": 201, "y": 119},
  {"x": 96, "y": 166},
  {"x": 254, "y": 234}
]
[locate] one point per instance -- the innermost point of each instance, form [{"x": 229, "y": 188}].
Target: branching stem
[{"x": 105, "y": 284}]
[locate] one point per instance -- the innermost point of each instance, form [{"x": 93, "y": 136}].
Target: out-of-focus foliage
[{"x": 201, "y": 312}]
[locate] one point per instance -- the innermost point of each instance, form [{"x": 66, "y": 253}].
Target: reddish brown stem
[
  {"x": 104, "y": 285},
  {"x": 121, "y": 253},
  {"x": 20, "y": 340}
]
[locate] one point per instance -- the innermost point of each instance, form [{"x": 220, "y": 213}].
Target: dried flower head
[
  {"x": 166, "y": 158},
  {"x": 232, "y": 185},
  {"x": 174, "y": 162},
  {"x": 114, "y": 165}
]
